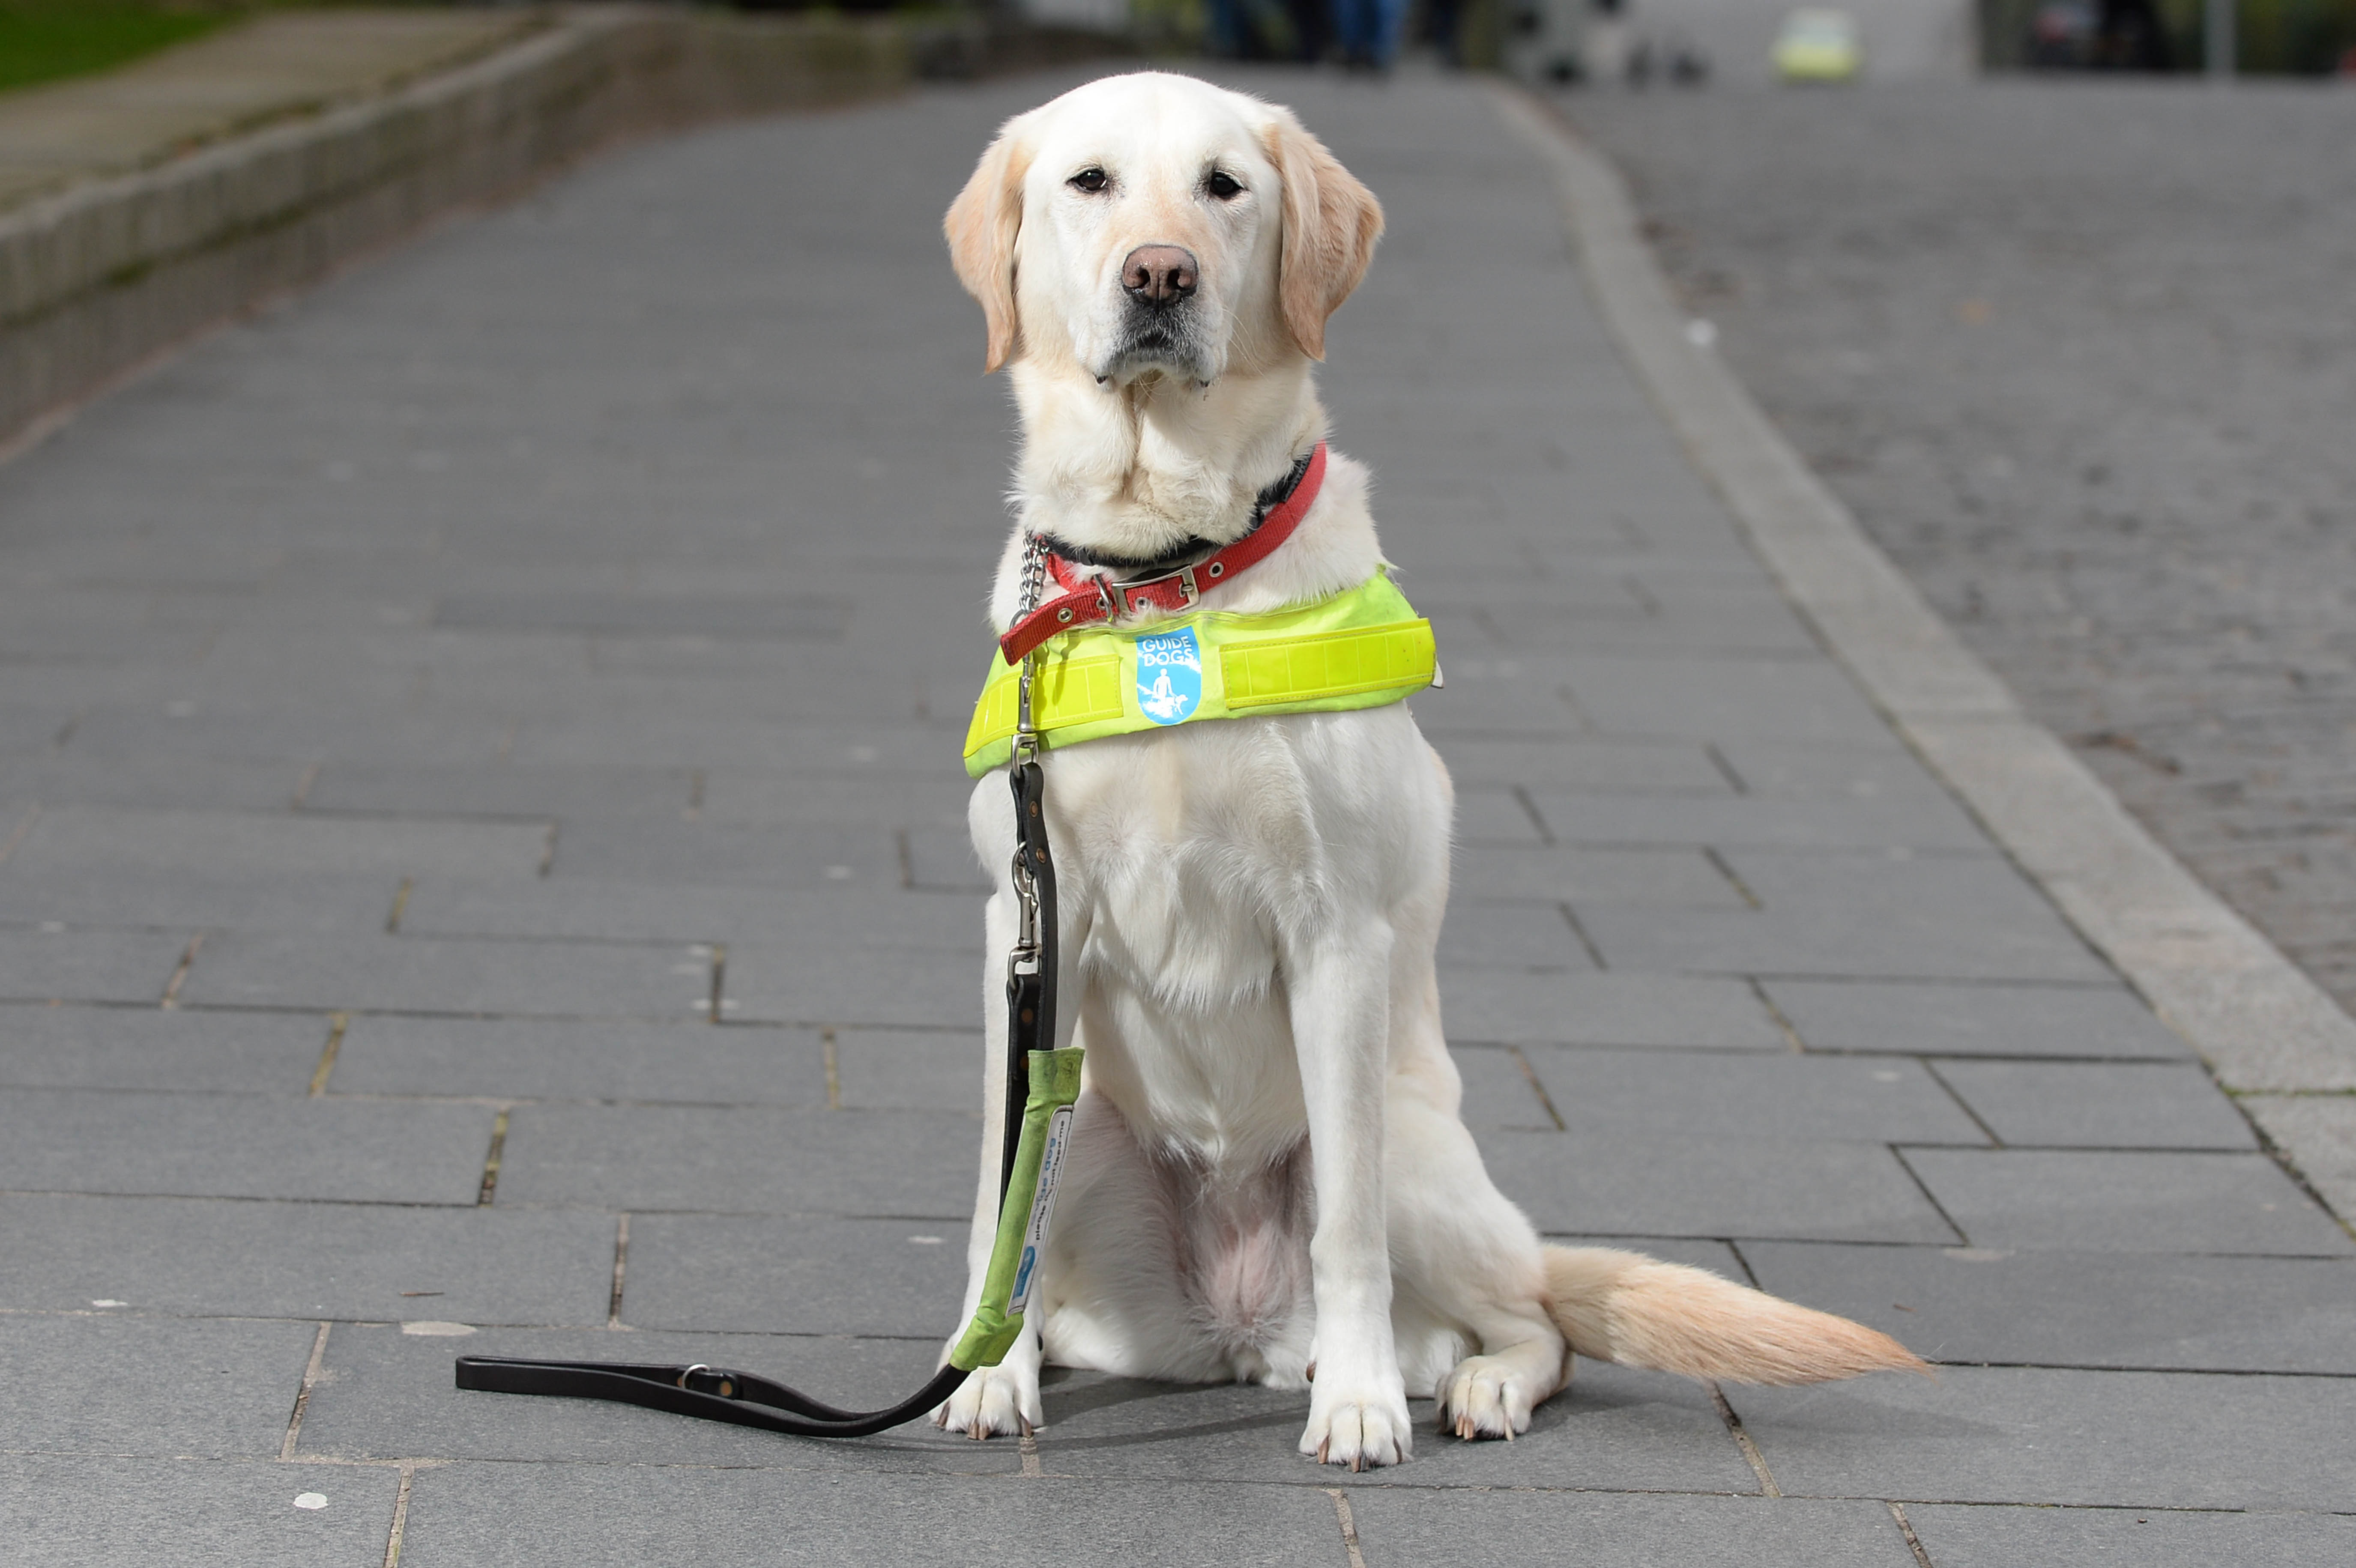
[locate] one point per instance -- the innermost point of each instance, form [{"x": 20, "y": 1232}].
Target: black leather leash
[{"x": 742, "y": 1399}]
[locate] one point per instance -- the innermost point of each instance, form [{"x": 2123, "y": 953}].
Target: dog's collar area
[
  {"x": 1189, "y": 551},
  {"x": 1153, "y": 585}
]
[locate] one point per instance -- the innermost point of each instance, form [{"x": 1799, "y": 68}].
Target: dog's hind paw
[
  {"x": 1485, "y": 1396},
  {"x": 995, "y": 1402},
  {"x": 1359, "y": 1434}
]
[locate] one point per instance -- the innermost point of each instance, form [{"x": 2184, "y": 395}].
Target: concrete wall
[{"x": 100, "y": 277}]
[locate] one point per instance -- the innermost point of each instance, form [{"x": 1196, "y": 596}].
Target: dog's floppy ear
[
  {"x": 1331, "y": 224},
  {"x": 981, "y": 225}
]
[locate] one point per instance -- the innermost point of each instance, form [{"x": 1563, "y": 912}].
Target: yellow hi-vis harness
[{"x": 1360, "y": 648}]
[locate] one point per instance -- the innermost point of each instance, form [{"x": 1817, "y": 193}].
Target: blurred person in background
[{"x": 1367, "y": 32}]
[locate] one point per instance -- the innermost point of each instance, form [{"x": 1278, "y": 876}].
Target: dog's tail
[{"x": 1640, "y": 1312}]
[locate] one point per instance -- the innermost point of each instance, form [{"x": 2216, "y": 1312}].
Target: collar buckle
[{"x": 1186, "y": 585}]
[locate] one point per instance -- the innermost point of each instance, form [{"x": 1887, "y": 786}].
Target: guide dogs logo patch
[{"x": 1169, "y": 675}]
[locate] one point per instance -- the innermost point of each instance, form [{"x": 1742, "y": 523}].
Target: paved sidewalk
[
  {"x": 419, "y": 707},
  {"x": 269, "y": 69}
]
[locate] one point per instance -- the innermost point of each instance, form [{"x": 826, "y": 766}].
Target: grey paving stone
[
  {"x": 788, "y": 618},
  {"x": 226, "y": 1146},
  {"x": 1757, "y": 821},
  {"x": 753, "y": 1160},
  {"x": 89, "y": 1511},
  {"x": 667, "y": 849},
  {"x": 1958, "y": 1537},
  {"x": 1872, "y": 776},
  {"x": 390, "y": 1394},
  {"x": 1678, "y": 879},
  {"x": 755, "y": 797},
  {"x": 213, "y": 901},
  {"x": 1808, "y": 699},
  {"x": 2084, "y": 1308},
  {"x": 536, "y": 793},
  {"x": 891, "y": 1070},
  {"x": 1935, "y": 1020},
  {"x": 941, "y": 861},
  {"x": 2106, "y": 1105},
  {"x": 208, "y": 1387},
  {"x": 1479, "y": 934},
  {"x": 2320, "y": 1131},
  {"x": 153, "y": 735},
  {"x": 1653, "y": 1184},
  {"x": 1746, "y": 1095},
  {"x": 605, "y": 1059},
  {"x": 2033, "y": 1435},
  {"x": 871, "y": 983},
  {"x": 1608, "y": 1531},
  {"x": 1499, "y": 1089},
  {"x": 205, "y": 1257},
  {"x": 83, "y": 965},
  {"x": 91, "y": 838},
  {"x": 1963, "y": 917},
  {"x": 1489, "y": 814},
  {"x": 587, "y": 1515},
  {"x": 147, "y": 1048},
  {"x": 2127, "y": 1201},
  {"x": 209, "y": 784},
  {"x": 413, "y": 974},
  {"x": 823, "y": 925},
  {"x": 1614, "y": 1429},
  {"x": 1668, "y": 1010},
  {"x": 755, "y": 1275}
]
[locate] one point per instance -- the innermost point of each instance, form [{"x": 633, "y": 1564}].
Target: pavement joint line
[
  {"x": 715, "y": 1006},
  {"x": 1750, "y": 1275},
  {"x": 1963, "y": 1238},
  {"x": 1349, "y": 1526},
  {"x": 693, "y": 810},
  {"x": 400, "y": 907},
  {"x": 303, "y": 1394},
  {"x": 621, "y": 1268},
  {"x": 400, "y": 1514},
  {"x": 171, "y": 998},
  {"x": 16, "y": 837},
  {"x": 548, "y": 855},
  {"x": 2257, "y": 1020},
  {"x": 1717, "y": 862},
  {"x": 1530, "y": 809},
  {"x": 490, "y": 1186},
  {"x": 1906, "y": 1529},
  {"x": 1791, "y": 1035},
  {"x": 303, "y": 785},
  {"x": 1742, "y": 1440},
  {"x": 833, "y": 1068},
  {"x": 336, "y": 1024},
  {"x": 1994, "y": 1139},
  {"x": 1028, "y": 1443},
  {"x": 1546, "y": 1100},
  {"x": 1725, "y": 769},
  {"x": 1587, "y": 941}
]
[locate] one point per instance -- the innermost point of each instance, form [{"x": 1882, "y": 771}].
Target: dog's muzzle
[{"x": 1161, "y": 325}]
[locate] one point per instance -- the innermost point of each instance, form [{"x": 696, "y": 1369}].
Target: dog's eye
[
  {"x": 1222, "y": 185},
  {"x": 1089, "y": 180}
]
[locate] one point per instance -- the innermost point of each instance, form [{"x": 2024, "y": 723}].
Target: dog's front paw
[
  {"x": 994, "y": 1402},
  {"x": 1360, "y": 1428},
  {"x": 1485, "y": 1396}
]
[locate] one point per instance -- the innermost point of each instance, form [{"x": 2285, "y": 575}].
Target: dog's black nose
[{"x": 1159, "y": 274}]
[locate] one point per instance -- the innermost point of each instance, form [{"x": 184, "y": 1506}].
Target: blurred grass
[{"x": 42, "y": 40}]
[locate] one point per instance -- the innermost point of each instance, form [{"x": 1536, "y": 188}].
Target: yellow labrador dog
[{"x": 1268, "y": 1179}]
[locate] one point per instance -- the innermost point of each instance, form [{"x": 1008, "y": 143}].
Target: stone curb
[
  {"x": 98, "y": 279},
  {"x": 2260, "y": 1022}
]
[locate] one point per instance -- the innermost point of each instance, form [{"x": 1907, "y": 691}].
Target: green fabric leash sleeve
[{"x": 1026, "y": 1211}]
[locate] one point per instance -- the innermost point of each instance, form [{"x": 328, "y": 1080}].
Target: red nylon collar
[{"x": 1095, "y": 600}]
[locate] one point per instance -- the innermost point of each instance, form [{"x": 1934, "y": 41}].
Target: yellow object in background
[{"x": 1818, "y": 44}]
